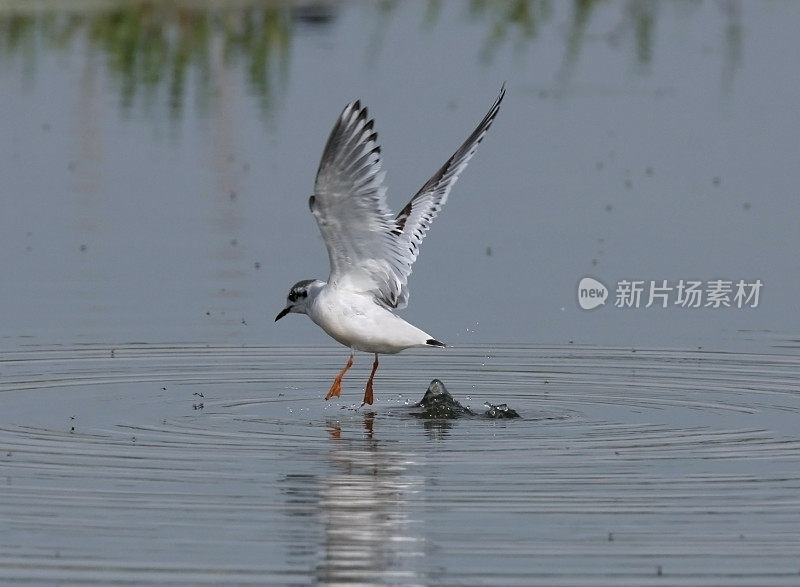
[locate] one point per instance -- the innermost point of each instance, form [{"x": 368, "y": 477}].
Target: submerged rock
[
  {"x": 439, "y": 404},
  {"x": 500, "y": 411}
]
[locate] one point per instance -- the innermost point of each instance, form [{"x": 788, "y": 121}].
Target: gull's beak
[{"x": 282, "y": 313}]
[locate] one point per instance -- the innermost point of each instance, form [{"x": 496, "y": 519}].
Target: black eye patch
[{"x": 294, "y": 295}]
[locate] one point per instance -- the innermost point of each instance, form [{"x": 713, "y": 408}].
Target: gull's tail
[{"x": 434, "y": 342}]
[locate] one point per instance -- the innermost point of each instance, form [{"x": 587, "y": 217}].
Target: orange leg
[
  {"x": 368, "y": 391},
  {"x": 336, "y": 388}
]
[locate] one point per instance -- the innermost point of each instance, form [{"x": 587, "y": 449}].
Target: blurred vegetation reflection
[{"x": 155, "y": 49}]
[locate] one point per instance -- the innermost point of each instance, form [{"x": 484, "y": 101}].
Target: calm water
[
  {"x": 157, "y": 427},
  {"x": 193, "y": 464}
]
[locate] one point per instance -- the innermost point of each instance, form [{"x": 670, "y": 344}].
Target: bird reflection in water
[{"x": 362, "y": 504}]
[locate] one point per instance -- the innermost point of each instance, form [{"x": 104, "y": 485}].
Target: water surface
[
  {"x": 156, "y": 426},
  {"x": 157, "y": 161},
  {"x": 203, "y": 464}
]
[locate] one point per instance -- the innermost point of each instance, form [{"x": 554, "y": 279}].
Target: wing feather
[
  {"x": 349, "y": 204},
  {"x": 414, "y": 220},
  {"x": 369, "y": 250}
]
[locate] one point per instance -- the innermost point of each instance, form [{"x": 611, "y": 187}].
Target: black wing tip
[
  {"x": 434, "y": 342},
  {"x": 354, "y": 108},
  {"x": 487, "y": 121},
  {"x": 489, "y": 118},
  {"x": 356, "y": 116}
]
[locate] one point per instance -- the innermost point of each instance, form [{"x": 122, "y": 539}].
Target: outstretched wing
[
  {"x": 369, "y": 251},
  {"x": 413, "y": 221},
  {"x": 349, "y": 204}
]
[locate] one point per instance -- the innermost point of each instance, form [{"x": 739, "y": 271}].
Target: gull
[{"x": 370, "y": 250}]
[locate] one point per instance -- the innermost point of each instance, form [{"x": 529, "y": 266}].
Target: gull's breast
[{"x": 355, "y": 321}]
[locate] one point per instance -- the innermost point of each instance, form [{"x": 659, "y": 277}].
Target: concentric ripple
[{"x": 190, "y": 464}]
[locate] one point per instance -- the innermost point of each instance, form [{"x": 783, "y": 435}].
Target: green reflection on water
[
  {"x": 159, "y": 47},
  {"x": 517, "y": 21},
  {"x": 155, "y": 51}
]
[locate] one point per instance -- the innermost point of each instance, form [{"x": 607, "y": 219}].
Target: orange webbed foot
[
  {"x": 336, "y": 388},
  {"x": 368, "y": 395}
]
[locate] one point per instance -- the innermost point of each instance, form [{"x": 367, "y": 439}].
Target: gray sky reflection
[{"x": 157, "y": 160}]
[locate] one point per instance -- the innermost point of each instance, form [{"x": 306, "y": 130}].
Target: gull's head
[{"x": 300, "y": 296}]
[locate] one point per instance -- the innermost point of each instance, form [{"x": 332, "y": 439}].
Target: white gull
[{"x": 371, "y": 251}]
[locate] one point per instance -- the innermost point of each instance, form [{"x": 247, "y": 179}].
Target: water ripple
[{"x": 192, "y": 464}]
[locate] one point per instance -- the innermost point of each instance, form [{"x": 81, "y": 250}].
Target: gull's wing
[
  {"x": 349, "y": 204},
  {"x": 369, "y": 251},
  {"x": 413, "y": 221}
]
